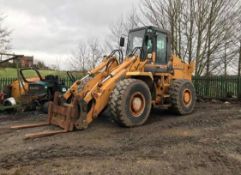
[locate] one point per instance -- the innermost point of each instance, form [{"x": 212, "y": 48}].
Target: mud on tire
[
  {"x": 130, "y": 103},
  {"x": 182, "y": 97}
]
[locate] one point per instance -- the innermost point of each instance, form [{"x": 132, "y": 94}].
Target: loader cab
[{"x": 153, "y": 44}]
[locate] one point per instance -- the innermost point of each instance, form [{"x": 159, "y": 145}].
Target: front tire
[
  {"x": 183, "y": 97},
  {"x": 130, "y": 103}
]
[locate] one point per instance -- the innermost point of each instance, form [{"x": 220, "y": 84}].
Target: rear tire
[
  {"x": 183, "y": 97},
  {"x": 130, "y": 103}
]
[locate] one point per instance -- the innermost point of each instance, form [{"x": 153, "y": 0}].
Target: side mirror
[{"x": 122, "y": 42}]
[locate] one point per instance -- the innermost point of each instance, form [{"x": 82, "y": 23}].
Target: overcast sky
[{"x": 50, "y": 29}]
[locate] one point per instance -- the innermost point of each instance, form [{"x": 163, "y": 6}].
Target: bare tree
[
  {"x": 95, "y": 52},
  {"x": 79, "y": 57},
  {"x": 87, "y": 55},
  {"x": 4, "y": 35},
  {"x": 239, "y": 60},
  {"x": 199, "y": 29},
  {"x": 117, "y": 30},
  {"x": 238, "y": 39},
  {"x": 121, "y": 28}
]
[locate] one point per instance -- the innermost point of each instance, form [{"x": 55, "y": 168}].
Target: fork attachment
[{"x": 63, "y": 116}]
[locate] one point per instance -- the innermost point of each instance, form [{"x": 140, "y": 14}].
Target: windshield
[{"x": 135, "y": 39}]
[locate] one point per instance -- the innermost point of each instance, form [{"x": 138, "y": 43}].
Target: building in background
[
  {"x": 12, "y": 60},
  {"x": 25, "y": 61}
]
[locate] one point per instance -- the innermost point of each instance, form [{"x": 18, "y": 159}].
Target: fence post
[{"x": 239, "y": 86}]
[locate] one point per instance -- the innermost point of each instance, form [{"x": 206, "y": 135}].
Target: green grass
[{"x": 12, "y": 73}]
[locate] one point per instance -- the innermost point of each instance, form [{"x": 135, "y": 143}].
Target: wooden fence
[
  {"x": 212, "y": 87},
  {"x": 218, "y": 86},
  {"x": 5, "y": 81}
]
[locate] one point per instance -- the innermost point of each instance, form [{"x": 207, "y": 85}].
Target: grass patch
[{"x": 12, "y": 72}]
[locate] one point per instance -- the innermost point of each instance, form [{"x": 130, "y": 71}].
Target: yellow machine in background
[
  {"x": 26, "y": 93},
  {"x": 149, "y": 76}
]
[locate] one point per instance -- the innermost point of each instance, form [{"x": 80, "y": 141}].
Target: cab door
[
  {"x": 158, "y": 47},
  {"x": 161, "y": 49}
]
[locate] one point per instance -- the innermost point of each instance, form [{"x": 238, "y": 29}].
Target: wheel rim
[
  {"x": 187, "y": 97},
  {"x": 137, "y": 104}
]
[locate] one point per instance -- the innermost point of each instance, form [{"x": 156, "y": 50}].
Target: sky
[{"x": 50, "y": 30}]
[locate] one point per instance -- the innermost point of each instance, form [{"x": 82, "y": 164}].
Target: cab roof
[{"x": 152, "y": 28}]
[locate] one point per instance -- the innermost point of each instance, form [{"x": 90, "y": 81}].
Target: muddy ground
[{"x": 205, "y": 142}]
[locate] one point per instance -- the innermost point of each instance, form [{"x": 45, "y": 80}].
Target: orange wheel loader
[{"x": 149, "y": 76}]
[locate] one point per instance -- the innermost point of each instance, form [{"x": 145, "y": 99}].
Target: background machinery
[
  {"x": 29, "y": 93},
  {"x": 149, "y": 76}
]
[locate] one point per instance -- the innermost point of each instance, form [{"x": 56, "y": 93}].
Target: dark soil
[{"x": 205, "y": 142}]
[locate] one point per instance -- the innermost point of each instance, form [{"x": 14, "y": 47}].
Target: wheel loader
[{"x": 149, "y": 76}]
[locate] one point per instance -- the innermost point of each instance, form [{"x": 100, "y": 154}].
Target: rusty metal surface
[
  {"x": 59, "y": 109},
  {"x": 29, "y": 126},
  {"x": 61, "y": 116},
  {"x": 43, "y": 134}
]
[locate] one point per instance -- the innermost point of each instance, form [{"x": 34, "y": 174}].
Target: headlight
[{"x": 64, "y": 89}]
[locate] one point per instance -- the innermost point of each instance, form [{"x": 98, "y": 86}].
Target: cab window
[
  {"x": 149, "y": 46},
  {"x": 161, "y": 49},
  {"x": 135, "y": 39}
]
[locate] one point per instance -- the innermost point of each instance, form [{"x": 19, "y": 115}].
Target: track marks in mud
[
  {"x": 5, "y": 130},
  {"x": 128, "y": 148},
  {"x": 203, "y": 142}
]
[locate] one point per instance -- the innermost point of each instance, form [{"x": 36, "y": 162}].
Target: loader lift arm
[{"x": 107, "y": 64}]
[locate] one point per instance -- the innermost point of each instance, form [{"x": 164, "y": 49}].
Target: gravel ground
[{"x": 205, "y": 142}]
